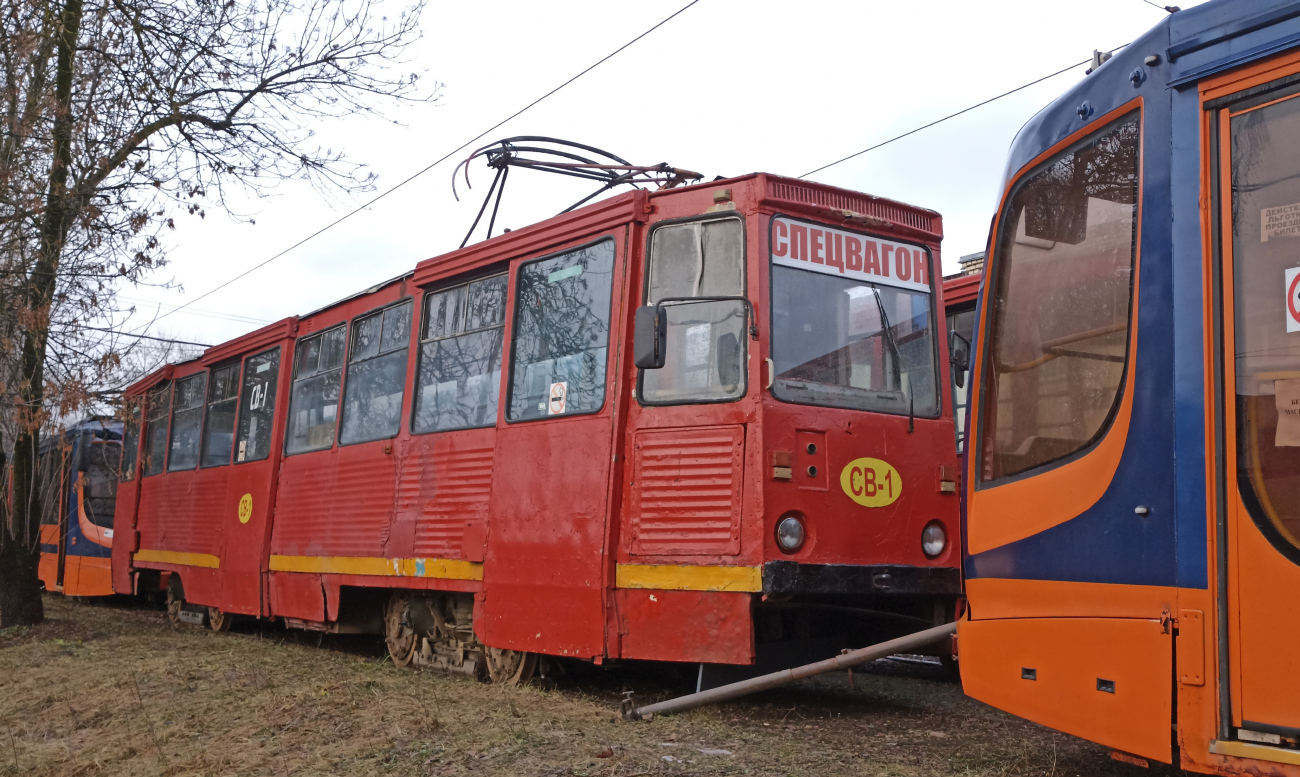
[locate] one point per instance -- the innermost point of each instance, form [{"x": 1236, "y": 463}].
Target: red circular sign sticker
[{"x": 1291, "y": 299}]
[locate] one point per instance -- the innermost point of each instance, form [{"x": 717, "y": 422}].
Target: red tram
[{"x": 468, "y": 459}]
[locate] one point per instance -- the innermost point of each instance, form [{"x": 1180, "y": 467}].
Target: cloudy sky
[{"x": 726, "y": 88}]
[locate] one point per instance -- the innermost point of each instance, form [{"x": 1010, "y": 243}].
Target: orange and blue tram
[
  {"x": 77, "y": 472},
  {"x": 1132, "y": 479}
]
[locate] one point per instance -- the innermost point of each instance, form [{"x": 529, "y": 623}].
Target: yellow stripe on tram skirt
[
  {"x": 444, "y": 568},
  {"x": 667, "y": 577},
  {"x": 204, "y": 560}
]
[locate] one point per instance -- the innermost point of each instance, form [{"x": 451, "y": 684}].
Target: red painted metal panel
[
  {"x": 335, "y": 503},
  {"x": 443, "y": 494},
  {"x": 696, "y": 626},
  {"x": 252, "y": 342},
  {"x": 687, "y": 486},
  {"x": 181, "y": 511}
]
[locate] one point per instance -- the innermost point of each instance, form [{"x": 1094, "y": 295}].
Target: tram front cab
[{"x": 1132, "y": 513}]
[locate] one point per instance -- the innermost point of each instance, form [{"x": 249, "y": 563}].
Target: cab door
[
  {"x": 1259, "y": 232},
  {"x": 544, "y": 571}
]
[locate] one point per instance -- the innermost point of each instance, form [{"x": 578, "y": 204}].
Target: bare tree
[{"x": 118, "y": 114}]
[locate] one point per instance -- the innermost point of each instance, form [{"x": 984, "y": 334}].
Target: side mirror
[
  {"x": 958, "y": 357},
  {"x": 728, "y": 359},
  {"x": 650, "y": 337}
]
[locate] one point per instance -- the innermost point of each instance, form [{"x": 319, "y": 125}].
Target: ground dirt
[{"x": 114, "y": 689}]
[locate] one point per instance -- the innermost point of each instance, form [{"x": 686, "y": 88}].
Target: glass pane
[
  {"x": 187, "y": 421},
  {"x": 397, "y": 328},
  {"x": 841, "y": 343},
  {"x": 459, "y": 382},
  {"x": 1266, "y": 290},
  {"x": 1060, "y": 304},
  {"x": 724, "y": 250},
  {"x": 365, "y": 337},
  {"x": 158, "y": 404},
  {"x": 487, "y": 302},
  {"x": 308, "y": 358},
  {"x": 372, "y": 407},
  {"x": 331, "y": 348},
  {"x": 257, "y": 406},
  {"x": 219, "y": 427},
  {"x": 443, "y": 315},
  {"x": 675, "y": 265},
  {"x": 561, "y": 333},
  {"x": 130, "y": 438},
  {"x": 963, "y": 323},
  {"x": 313, "y": 410},
  {"x": 99, "y": 488}
]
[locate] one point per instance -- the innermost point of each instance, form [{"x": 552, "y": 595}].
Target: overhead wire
[
  {"x": 951, "y": 116},
  {"x": 434, "y": 164}
]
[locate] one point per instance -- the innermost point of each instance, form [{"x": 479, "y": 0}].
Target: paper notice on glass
[
  {"x": 1282, "y": 221},
  {"x": 1288, "y": 412}
]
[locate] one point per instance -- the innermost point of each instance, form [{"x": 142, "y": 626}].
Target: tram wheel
[
  {"x": 401, "y": 638},
  {"x": 219, "y": 621},
  {"x": 175, "y": 601},
  {"x": 509, "y": 667}
]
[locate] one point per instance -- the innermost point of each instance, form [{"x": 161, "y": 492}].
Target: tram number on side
[{"x": 871, "y": 482}]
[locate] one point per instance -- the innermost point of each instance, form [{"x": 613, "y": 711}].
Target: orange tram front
[
  {"x": 1132, "y": 489},
  {"x": 468, "y": 460}
]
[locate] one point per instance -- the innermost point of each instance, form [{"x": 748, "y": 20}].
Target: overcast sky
[{"x": 726, "y": 88}]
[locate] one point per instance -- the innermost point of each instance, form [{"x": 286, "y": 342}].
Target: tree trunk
[{"x": 20, "y": 553}]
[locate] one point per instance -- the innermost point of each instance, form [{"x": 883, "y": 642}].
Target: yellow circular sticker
[
  {"x": 245, "y": 508},
  {"x": 871, "y": 482}
]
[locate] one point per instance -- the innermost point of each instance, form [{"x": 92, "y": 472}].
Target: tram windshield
[{"x": 855, "y": 329}]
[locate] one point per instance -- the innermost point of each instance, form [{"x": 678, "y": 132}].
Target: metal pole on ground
[{"x": 744, "y": 687}]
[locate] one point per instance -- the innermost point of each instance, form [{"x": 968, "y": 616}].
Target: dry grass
[{"x": 111, "y": 690}]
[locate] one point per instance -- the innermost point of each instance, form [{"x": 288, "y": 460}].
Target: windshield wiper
[{"x": 898, "y": 358}]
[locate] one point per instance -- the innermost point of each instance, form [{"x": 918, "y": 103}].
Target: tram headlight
[
  {"x": 790, "y": 534},
  {"x": 933, "y": 539}
]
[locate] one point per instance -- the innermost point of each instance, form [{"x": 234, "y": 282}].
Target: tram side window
[
  {"x": 459, "y": 379},
  {"x": 130, "y": 438},
  {"x": 963, "y": 323},
  {"x": 376, "y": 382},
  {"x": 257, "y": 406},
  {"x": 158, "y": 405},
  {"x": 314, "y": 403},
  {"x": 1062, "y": 295},
  {"x": 219, "y": 427},
  {"x": 187, "y": 422},
  {"x": 99, "y": 484},
  {"x": 1265, "y": 178},
  {"x": 561, "y": 333},
  {"x": 705, "y": 359}
]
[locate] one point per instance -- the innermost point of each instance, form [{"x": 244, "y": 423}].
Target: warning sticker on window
[
  {"x": 1292, "y": 282},
  {"x": 1282, "y": 221},
  {"x": 559, "y": 395},
  {"x": 1288, "y": 412}
]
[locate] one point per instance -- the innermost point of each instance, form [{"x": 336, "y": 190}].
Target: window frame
[
  {"x": 147, "y": 429},
  {"x": 239, "y": 404},
  {"x": 988, "y": 298},
  {"x": 136, "y": 402},
  {"x": 203, "y": 432},
  {"x": 347, "y": 362},
  {"x": 512, "y": 310},
  {"x": 751, "y": 313},
  {"x": 506, "y": 317},
  {"x": 171, "y": 425},
  {"x": 935, "y": 343},
  {"x": 293, "y": 379}
]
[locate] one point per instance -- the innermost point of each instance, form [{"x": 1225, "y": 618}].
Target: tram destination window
[
  {"x": 1060, "y": 304},
  {"x": 314, "y": 404},
  {"x": 705, "y": 359},
  {"x": 561, "y": 333},
  {"x": 130, "y": 438},
  {"x": 257, "y": 406},
  {"x": 376, "y": 381},
  {"x": 158, "y": 407},
  {"x": 187, "y": 422},
  {"x": 219, "y": 426},
  {"x": 459, "y": 379}
]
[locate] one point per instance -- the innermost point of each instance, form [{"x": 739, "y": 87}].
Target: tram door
[
  {"x": 1259, "y": 180},
  {"x": 544, "y": 571}
]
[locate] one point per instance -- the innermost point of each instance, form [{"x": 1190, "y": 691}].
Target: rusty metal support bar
[{"x": 785, "y": 676}]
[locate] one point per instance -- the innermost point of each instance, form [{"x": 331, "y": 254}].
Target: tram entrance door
[{"x": 1259, "y": 232}]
